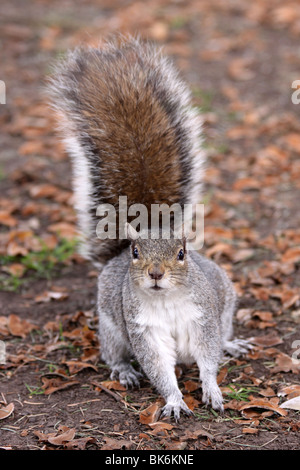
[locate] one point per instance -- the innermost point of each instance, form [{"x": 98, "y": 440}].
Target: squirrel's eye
[
  {"x": 135, "y": 253},
  {"x": 180, "y": 255}
]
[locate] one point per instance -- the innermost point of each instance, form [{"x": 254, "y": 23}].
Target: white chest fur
[{"x": 170, "y": 322}]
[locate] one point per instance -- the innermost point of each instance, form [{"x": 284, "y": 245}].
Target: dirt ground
[{"x": 240, "y": 59}]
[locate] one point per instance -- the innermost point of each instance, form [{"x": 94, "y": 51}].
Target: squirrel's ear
[{"x": 131, "y": 233}]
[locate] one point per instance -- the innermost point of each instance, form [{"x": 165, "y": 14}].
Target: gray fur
[{"x": 125, "y": 332}]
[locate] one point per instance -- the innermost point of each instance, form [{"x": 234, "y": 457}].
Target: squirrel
[{"x": 130, "y": 128}]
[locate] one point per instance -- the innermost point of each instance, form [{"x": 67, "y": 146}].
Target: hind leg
[{"x": 235, "y": 347}]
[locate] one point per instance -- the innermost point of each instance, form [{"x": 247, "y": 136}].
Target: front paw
[
  {"x": 212, "y": 394},
  {"x": 127, "y": 375},
  {"x": 175, "y": 408}
]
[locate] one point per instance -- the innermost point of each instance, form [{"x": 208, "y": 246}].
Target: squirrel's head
[{"x": 157, "y": 265}]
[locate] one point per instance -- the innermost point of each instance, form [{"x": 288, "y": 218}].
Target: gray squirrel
[{"x": 130, "y": 129}]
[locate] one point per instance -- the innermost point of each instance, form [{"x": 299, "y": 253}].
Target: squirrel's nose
[{"x": 156, "y": 273}]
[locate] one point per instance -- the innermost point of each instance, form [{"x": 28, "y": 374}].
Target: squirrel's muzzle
[{"x": 156, "y": 272}]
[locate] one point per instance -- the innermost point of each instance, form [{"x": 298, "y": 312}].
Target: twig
[{"x": 106, "y": 390}]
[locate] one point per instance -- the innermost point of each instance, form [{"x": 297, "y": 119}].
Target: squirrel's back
[{"x": 130, "y": 129}]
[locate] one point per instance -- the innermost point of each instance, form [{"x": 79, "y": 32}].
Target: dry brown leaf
[
  {"x": 7, "y": 219},
  {"x": 242, "y": 255},
  {"x": 55, "y": 384},
  {"x": 19, "y": 327},
  {"x": 63, "y": 437},
  {"x": 262, "y": 404},
  {"x": 14, "y": 249},
  {"x": 161, "y": 425},
  {"x": 6, "y": 411},
  {"x": 292, "y": 140},
  {"x": 15, "y": 269},
  {"x": 267, "y": 392},
  {"x": 32, "y": 147},
  {"x": 113, "y": 385},
  {"x": 150, "y": 414},
  {"x": 3, "y": 326},
  {"x": 115, "y": 444},
  {"x": 292, "y": 255},
  {"x": 249, "y": 430},
  {"x": 220, "y": 249},
  {"x": 291, "y": 390},
  {"x": 287, "y": 295},
  {"x": 271, "y": 339},
  {"x": 77, "y": 366},
  {"x": 79, "y": 444},
  {"x": 191, "y": 385},
  {"x": 247, "y": 183},
  {"x": 222, "y": 375},
  {"x": 64, "y": 230},
  {"x": 196, "y": 433},
  {"x": 285, "y": 363},
  {"x": 238, "y": 69},
  {"x": 191, "y": 402},
  {"x": 51, "y": 295},
  {"x": 243, "y": 315},
  {"x": 160, "y": 428}
]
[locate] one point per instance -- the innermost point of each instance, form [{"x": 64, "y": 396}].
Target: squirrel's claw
[
  {"x": 128, "y": 377},
  {"x": 175, "y": 409}
]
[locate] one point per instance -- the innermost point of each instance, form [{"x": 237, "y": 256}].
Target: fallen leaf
[
  {"x": 162, "y": 425},
  {"x": 292, "y": 140},
  {"x": 15, "y": 269},
  {"x": 115, "y": 444},
  {"x": 3, "y": 326},
  {"x": 249, "y": 430},
  {"x": 150, "y": 414},
  {"x": 7, "y": 219},
  {"x": 292, "y": 404},
  {"x": 14, "y": 249},
  {"x": 291, "y": 390},
  {"x": 51, "y": 295},
  {"x": 267, "y": 392},
  {"x": 244, "y": 314},
  {"x": 196, "y": 433},
  {"x": 6, "y": 411},
  {"x": 246, "y": 183},
  {"x": 64, "y": 230},
  {"x": 77, "y": 366},
  {"x": 285, "y": 363},
  {"x": 80, "y": 443},
  {"x": 242, "y": 255},
  {"x": 62, "y": 438},
  {"x": 191, "y": 402},
  {"x": 19, "y": 327},
  {"x": 191, "y": 385},
  {"x": 238, "y": 69},
  {"x": 271, "y": 339},
  {"x": 222, "y": 375},
  {"x": 55, "y": 384},
  {"x": 292, "y": 255},
  {"x": 160, "y": 428},
  {"x": 263, "y": 404},
  {"x": 113, "y": 385}
]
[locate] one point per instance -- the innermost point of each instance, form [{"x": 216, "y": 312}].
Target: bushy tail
[{"x": 129, "y": 127}]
